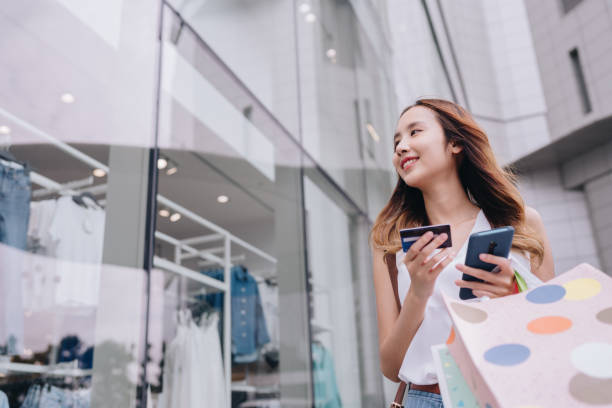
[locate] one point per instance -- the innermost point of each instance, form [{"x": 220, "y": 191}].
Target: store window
[
  {"x": 77, "y": 87},
  {"x": 230, "y": 317}
]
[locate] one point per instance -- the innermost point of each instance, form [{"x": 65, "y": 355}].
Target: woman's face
[{"x": 421, "y": 153}]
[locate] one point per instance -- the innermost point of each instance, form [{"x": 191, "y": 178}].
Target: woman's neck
[{"x": 446, "y": 202}]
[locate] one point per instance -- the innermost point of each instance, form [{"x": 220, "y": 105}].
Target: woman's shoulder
[{"x": 533, "y": 219}]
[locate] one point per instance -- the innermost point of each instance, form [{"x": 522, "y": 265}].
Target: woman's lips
[{"x": 408, "y": 162}]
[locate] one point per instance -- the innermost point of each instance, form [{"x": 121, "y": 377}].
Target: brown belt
[{"x": 433, "y": 388}]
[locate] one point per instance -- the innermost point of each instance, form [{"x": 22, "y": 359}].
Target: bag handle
[{"x": 392, "y": 268}]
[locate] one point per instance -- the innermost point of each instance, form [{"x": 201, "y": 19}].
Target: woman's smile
[{"x": 408, "y": 162}]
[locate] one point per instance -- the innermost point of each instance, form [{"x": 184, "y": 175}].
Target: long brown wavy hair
[{"x": 487, "y": 185}]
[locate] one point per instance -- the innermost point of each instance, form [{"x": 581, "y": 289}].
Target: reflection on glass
[
  {"x": 216, "y": 240},
  {"x": 72, "y": 306}
]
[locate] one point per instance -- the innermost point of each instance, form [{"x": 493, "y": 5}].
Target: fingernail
[
  {"x": 429, "y": 234},
  {"x": 483, "y": 256},
  {"x": 443, "y": 235}
]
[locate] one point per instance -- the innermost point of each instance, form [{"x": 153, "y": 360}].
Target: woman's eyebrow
[{"x": 410, "y": 126}]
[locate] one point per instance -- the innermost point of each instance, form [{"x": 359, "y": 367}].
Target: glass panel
[
  {"x": 256, "y": 42},
  {"x": 229, "y": 230},
  {"x": 343, "y": 320},
  {"x": 76, "y": 89},
  {"x": 346, "y": 96}
]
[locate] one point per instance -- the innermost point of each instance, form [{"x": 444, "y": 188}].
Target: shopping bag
[{"x": 548, "y": 346}]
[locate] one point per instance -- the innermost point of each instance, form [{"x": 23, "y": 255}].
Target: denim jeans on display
[
  {"x": 14, "y": 218},
  {"x": 422, "y": 399},
  {"x": 15, "y": 192}
]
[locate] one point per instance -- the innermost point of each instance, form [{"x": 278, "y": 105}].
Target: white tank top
[{"x": 418, "y": 366}]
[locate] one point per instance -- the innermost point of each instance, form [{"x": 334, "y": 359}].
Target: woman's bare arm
[{"x": 396, "y": 328}]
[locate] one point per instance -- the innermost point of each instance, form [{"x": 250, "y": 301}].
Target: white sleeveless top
[{"x": 418, "y": 366}]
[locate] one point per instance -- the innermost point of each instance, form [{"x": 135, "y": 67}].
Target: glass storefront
[{"x": 186, "y": 191}]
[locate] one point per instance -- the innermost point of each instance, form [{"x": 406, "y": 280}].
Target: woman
[{"x": 447, "y": 175}]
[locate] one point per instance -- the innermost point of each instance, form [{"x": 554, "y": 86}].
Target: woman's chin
[{"x": 411, "y": 180}]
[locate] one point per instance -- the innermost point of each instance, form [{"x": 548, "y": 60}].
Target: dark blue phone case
[{"x": 497, "y": 241}]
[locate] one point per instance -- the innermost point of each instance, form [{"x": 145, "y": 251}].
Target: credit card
[{"x": 410, "y": 235}]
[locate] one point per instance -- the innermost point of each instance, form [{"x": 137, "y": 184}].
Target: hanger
[{"x": 80, "y": 199}]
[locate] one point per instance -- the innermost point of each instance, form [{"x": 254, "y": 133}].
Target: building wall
[{"x": 588, "y": 26}]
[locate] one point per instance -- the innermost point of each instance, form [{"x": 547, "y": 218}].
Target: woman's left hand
[{"x": 495, "y": 284}]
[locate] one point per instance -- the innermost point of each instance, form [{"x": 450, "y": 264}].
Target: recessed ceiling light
[
  {"x": 162, "y": 163},
  {"x": 164, "y": 213},
  {"x": 171, "y": 170},
  {"x": 310, "y": 18},
  {"x": 67, "y": 98},
  {"x": 5, "y": 130},
  {"x": 372, "y": 132},
  {"x": 331, "y": 53},
  {"x": 99, "y": 172},
  {"x": 175, "y": 217},
  {"x": 304, "y": 8},
  {"x": 223, "y": 199}
]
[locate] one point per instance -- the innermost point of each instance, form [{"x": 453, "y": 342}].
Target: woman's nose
[{"x": 402, "y": 146}]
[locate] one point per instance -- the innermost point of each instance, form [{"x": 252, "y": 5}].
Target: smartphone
[
  {"x": 410, "y": 235},
  {"x": 497, "y": 242}
]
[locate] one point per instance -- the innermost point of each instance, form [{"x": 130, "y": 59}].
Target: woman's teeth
[{"x": 409, "y": 162}]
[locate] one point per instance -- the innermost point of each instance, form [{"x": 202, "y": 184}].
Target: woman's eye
[{"x": 414, "y": 130}]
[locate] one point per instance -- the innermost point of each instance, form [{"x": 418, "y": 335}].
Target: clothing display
[
  {"x": 193, "y": 371},
  {"x": 49, "y": 396},
  {"x": 77, "y": 234},
  {"x": 249, "y": 331},
  {"x": 41, "y": 217},
  {"x": 324, "y": 378},
  {"x": 418, "y": 365},
  {"x": 3, "y": 400},
  {"x": 269, "y": 302},
  {"x": 15, "y": 192},
  {"x": 14, "y": 215}
]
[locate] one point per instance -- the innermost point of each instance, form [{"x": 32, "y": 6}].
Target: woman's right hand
[{"x": 422, "y": 268}]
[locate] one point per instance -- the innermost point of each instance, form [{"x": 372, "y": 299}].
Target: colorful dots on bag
[
  {"x": 593, "y": 359},
  {"x": 507, "y": 354},
  {"x": 605, "y": 316},
  {"x": 549, "y": 325},
  {"x": 546, "y": 294},
  {"x": 469, "y": 313},
  {"x": 451, "y": 336},
  {"x": 590, "y": 390},
  {"x": 581, "y": 289}
]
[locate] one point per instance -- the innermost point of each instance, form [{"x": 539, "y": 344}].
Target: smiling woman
[{"x": 447, "y": 174}]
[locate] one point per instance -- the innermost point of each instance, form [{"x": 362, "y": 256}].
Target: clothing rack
[
  {"x": 219, "y": 233},
  {"x": 57, "y": 370}
]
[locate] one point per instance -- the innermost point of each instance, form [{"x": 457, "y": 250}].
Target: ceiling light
[
  {"x": 175, "y": 217},
  {"x": 164, "y": 213},
  {"x": 162, "y": 163},
  {"x": 310, "y": 18},
  {"x": 171, "y": 170},
  {"x": 67, "y": 98},
  {"x": 99, "y": 172},
  {"x": 372, "y": 132},
  {"x": 223, "y": 199},
  {"x": 5, "y": 130},
  {"x": 304, "y": 8},
  {"x": 331, "y": 53}
]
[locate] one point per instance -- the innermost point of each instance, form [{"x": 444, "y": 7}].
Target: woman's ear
[{"x": 455, "y": 148}]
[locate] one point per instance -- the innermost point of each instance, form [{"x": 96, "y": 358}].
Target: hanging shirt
[
  {"x": 324, "y": 377},
  {"x": 249, "y": 330},
  {"x": 77, "y": 234}
]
